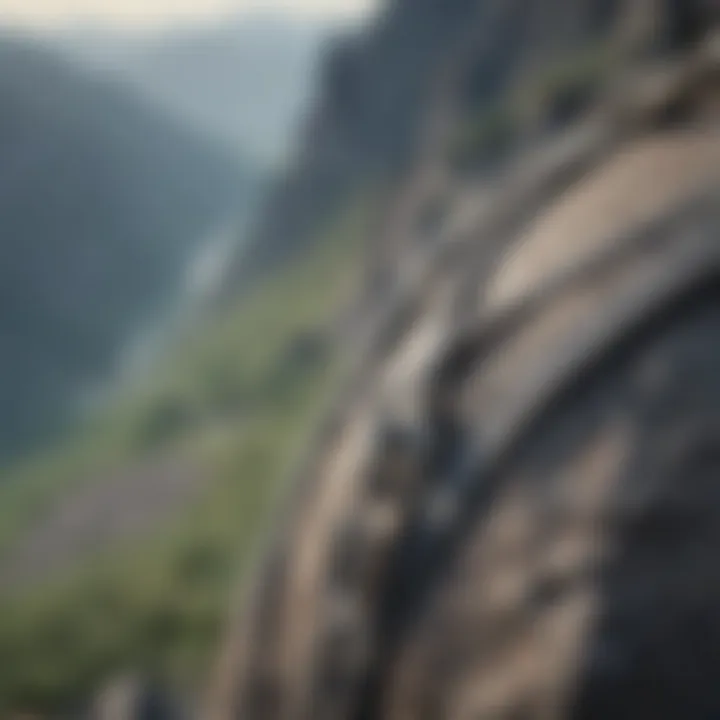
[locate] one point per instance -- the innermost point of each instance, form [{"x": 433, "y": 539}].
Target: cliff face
[
  {"x": 373, "y": 95},
  {"x": 428, "y": 73},
  {"x": 510, "y": 512}
]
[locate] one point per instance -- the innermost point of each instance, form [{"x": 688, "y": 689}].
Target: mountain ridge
[
  {"x": 245, "y": 80},
  {"x": 102, "y": 200}
]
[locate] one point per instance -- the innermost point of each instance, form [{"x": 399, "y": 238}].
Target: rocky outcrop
[
  {"x": 373, "y": 97},
  {"x": 134, "y": 698},
  {"x": 513, "y": 511},
  {"x": 487, "y": 76}
]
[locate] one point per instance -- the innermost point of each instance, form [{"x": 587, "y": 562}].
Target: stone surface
[{"x": 543, "y": 548}]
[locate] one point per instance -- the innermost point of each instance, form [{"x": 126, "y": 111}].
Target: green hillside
[{"x": 237, "y": 400}]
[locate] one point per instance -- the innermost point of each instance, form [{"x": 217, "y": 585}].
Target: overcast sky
[{"x": 141, "y": 13}]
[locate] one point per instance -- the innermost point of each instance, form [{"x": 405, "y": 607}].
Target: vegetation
[
  {"x": 550, "y": 97},
  {"x": 565, "y": 88},
  {"x": 239, "y": 398},
  {"x": 484, "y": 139}
]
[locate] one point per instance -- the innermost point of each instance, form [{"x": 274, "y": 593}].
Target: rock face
[
  {"x": 373, "y": 96},
  {"x": 514, "y": 511},
  {"x": 132, "y": 698}
]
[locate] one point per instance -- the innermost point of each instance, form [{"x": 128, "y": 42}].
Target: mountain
[
  {"x": 374, "y": 93},
  {"x": 424, "y": 73},
  {"x": 535, "y": 395},
  {"x": 244, "y": 81},
  {"x": 103, "y": 201},
  {"x": 511, "y": 509}
]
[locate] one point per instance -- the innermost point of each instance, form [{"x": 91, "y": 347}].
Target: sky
[{"x": 149, "y": 13}]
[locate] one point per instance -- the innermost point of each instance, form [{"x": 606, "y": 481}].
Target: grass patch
[
  {"x": 549, "y": 98},
  {"x": 563, "y": 89},
  {"x": 485, "y": 138},
  {"x": 240, "y": 396}
]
